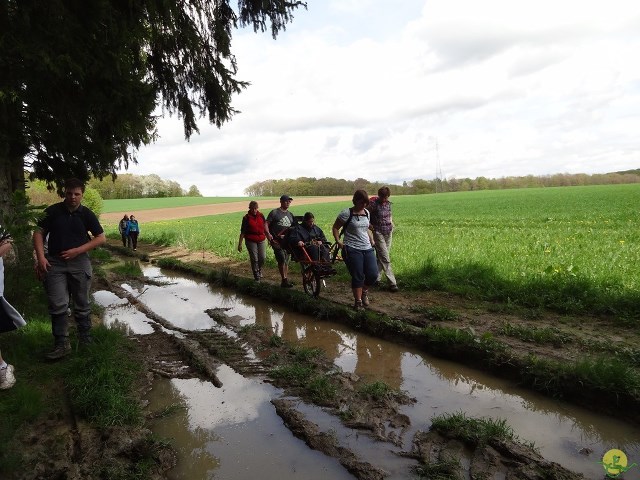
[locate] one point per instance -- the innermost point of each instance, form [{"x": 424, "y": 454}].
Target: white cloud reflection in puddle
[
  {"x": 118, "y": 311},
  {"x": 233, "y": 432}
]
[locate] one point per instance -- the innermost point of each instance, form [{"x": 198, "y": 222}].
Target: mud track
[{"x": 197, "y": 354}]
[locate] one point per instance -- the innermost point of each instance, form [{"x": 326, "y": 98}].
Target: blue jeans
[{"x": 362, "y": 266}]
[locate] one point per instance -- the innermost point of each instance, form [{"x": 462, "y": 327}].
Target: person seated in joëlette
[{"x": 310, "y": 236}]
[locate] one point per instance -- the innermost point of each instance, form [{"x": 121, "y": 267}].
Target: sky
[{"x": 415, "y": 89}]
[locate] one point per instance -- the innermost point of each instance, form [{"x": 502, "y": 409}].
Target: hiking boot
[
  {"x": 365, "y": 298},
  {"x": 357, "y": 306},
  {"x": 393, "y": 288},
  {"x": 59, "y": 351},
  {"x": 286, "y": 283},
  {"x": 7, "y": 378}
]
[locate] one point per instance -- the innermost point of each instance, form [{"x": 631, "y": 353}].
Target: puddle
[
  {"x": 234, "y": 432},
  {"x": 119, "y": 312}
]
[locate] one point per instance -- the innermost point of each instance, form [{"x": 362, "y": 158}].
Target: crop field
[
  {"x": 136, "y": 204},
  {"x": 571, "y": 249}
]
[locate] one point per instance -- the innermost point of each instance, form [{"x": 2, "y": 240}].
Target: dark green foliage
[{"x": 81, "y": 80}]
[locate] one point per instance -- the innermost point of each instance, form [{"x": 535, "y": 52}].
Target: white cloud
[{"x": 367, "y": 89}]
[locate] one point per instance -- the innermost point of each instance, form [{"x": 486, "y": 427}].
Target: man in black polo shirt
[{"x": 66, "y": 268}]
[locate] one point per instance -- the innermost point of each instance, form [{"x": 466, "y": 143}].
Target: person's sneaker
[
  {"x": 59, "y": 352},
  {"x": 365, "y": 298},
  {"x": 7, "y": 378},
  {"x": 393, "y": 288},
  {"x": 286, "y": 284},
  {"x": 357, "y": 306}
]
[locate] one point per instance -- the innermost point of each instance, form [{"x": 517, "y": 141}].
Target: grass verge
[{"x": 97, "y": 384}]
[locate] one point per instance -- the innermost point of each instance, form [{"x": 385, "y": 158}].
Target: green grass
[
  {"x": 97, "y": 381},
  {"x": 130, "y": 268},
  {"x": 444, "y": 469},
  {"x": 376, "y": 390},
  {"x": 547, "y": 335},
  {"x": 570, "y": 249},
  {"x": 294, "y": 373},
  {"x": 436, "y": 313},
  {"x": 103, "y": 393},
  {"x": 474, "y": 431}
]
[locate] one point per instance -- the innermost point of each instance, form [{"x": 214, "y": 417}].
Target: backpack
[{"x": 346, "y": 224}]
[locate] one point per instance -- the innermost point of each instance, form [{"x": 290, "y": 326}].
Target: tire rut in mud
[{"x": 188, "y": 354}]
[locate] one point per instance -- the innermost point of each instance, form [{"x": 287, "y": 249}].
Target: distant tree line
[
  {"x": 305, "y": 186},
  {"x": 140, "y": 186}
]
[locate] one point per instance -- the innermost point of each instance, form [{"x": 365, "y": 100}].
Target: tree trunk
[{"x": 12, "y": 179}]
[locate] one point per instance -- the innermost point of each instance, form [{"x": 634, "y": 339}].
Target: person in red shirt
[{"x": 252, "y": 231}]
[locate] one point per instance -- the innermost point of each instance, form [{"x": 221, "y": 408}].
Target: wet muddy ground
[
  {"x": 211, "y": 353},
  {"x": 378, "y": 438}
]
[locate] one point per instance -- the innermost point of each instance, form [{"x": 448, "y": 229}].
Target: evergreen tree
[{"x": 80, "y": 80}]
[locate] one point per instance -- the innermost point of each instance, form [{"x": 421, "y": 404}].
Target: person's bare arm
[
  {"x": 42, "y": 264},
  {"x": 335, "y": 230}
]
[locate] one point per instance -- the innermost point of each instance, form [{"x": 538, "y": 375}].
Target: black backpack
[{"x": 346, "y": 224}]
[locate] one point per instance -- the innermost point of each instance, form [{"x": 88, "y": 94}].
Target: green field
[
  {"x": 571, "y": 249},
  {"x": 137, "y": 204}
]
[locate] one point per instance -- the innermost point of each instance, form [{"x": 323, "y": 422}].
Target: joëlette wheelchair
[{"x": 316, "y": 261}]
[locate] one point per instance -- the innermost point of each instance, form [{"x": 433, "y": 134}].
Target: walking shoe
[
  {"x": 357, "y": 306},
  {"x": 59, "y": 352},
  {"x": 393, "y": 288},
  {"x": 365, "y": 298},
  {"x": 286, "y": 284},
  {"x": 7, "y": 378}
]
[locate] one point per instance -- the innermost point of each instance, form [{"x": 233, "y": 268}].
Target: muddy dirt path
[{"x": 201, "y": 353}]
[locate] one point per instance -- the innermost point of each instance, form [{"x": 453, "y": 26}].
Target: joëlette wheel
[{"x": 311, "y": 281}]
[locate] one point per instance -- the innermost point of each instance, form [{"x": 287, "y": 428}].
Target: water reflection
[
  {"x": 558, "y": 429},
  {"x": 376, "y": 360},
  {"x": 233, "y": 432}
]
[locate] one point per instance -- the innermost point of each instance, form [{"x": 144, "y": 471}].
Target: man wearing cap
[{"x": 279, "y": 221}]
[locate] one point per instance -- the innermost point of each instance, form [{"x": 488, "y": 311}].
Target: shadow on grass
[{"x": 562, "y": 293}]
